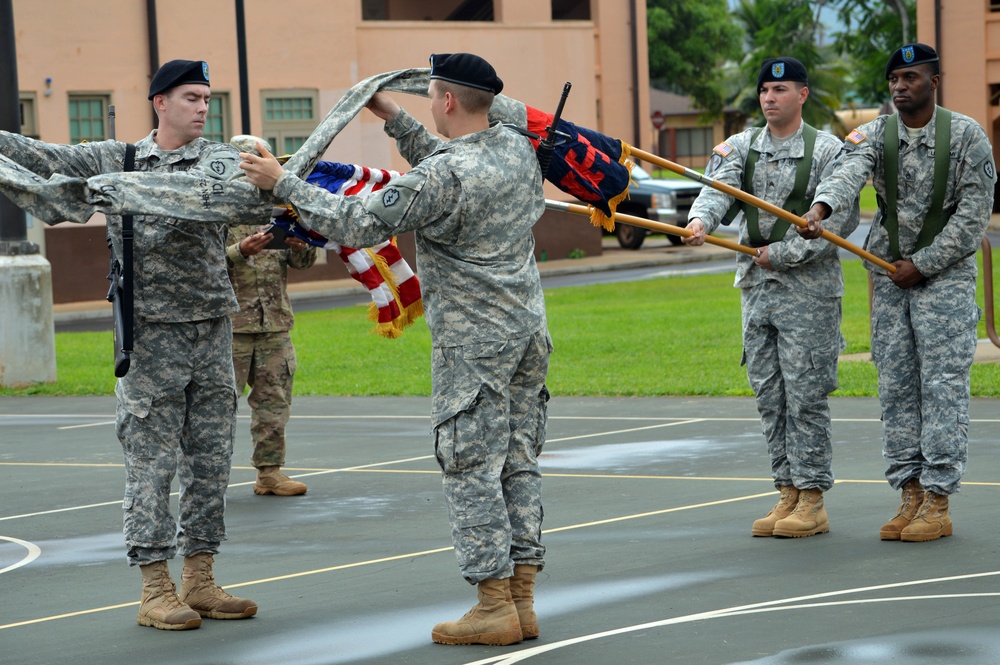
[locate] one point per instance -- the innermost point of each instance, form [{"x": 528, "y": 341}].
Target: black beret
[
  {"x": 465, "y": 69},
  {"x": 909, "y": 55},
  {"x": 782, "y": 69},
  {"x": 178, "y": 72}
]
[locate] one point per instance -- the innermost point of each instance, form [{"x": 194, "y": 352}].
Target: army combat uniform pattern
[
  {"x": 791, "y": 315},
  {"x": 263, "y": 353},
  {"x": 924, "y": 337},
  {"x": 177, "y": 404},
  {"x": 472, "y": 202}
]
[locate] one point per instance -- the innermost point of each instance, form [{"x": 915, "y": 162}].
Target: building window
[
  {"x": 694, "y": 142},
  {"x": 217, "y": 120},
  {"x": 995, "y": 5},
  {"x": 427, "y": 10},
  {"x": 572, "y": 10},
  {"x": 29, "y": 115},
  {"x": 88, "y": 118},
  {"x": 290, "y": 116}
]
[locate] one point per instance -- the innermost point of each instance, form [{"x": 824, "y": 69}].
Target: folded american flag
[{"x": 393, "y": 286}]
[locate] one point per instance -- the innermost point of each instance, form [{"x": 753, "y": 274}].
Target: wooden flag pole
[
  {"x": 651, "y": 225},
  {"x": 758, "y": 203}
]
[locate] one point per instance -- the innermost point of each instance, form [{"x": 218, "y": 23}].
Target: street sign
[{"x": 657, "y": 119}]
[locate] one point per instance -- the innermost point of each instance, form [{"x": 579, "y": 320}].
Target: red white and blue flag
[{"x": 589, "y": 165}]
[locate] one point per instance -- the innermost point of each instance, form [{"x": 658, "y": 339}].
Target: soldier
[
  {"x": 176, "y": 411},
  {"x": 933, "y": 172},
  {"x": 790, "y": 292},
  {"x": 263, "y": 353},
  {"x": 472, "y": 202}
]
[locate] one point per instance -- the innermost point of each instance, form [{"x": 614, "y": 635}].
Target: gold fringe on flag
[{"x": 597, "y": 216}]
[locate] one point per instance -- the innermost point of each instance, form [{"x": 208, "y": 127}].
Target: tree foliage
[
  {"x": 788, "y": 28},
  {"x": 689, "y": 40},
  {"x": 871, "y": 31}
]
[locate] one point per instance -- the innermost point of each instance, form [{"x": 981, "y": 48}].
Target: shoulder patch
[
  {"x": 723, "y": 149},
  {"x": 856, "y": 137},
  {"x": 392, "y": 203}
]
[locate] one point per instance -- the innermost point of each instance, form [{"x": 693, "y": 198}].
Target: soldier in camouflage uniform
[
  {"x": 263, "y": 353},
  {"x": 177, "y": 404},
  {"x": 472, "y": 202},
  {"x": 790, "y": 292},
  {"x": 930, "y": 222}
]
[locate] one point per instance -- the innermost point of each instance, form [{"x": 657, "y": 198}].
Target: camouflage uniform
[
  {"x": 263, "y": 354},
  {"x": 924, "y": 337},
  {"x": 472, "y": 202},
  {"x": 791, "y": 315},
  {"x": 177, "y": 404}
]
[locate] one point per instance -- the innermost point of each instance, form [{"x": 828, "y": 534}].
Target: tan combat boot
[
  {"x": 808, "y": 519},
  {"x": 932, "y": 520},
  {"x": 786, "y": 504},
  {"x": 913, "y": 498},
  {"x": 160, "y": 607},
  {"x": 522, "y": 591},
  {"x": 270, "y": 480},
  {"x": 199, "y": 590},
  {"x": 493, "y": 620}
]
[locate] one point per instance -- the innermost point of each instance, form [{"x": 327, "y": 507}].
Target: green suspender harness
[
  {"x": 936, "y": 219},
  {"x": 795, "y": 203}
]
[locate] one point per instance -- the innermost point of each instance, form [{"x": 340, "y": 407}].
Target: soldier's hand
[
  {"x": 763, "y": 258},
  {"x": 814, "y": 218},
  {"x": 906, "y": 275},
  {"x": 697, "y": 229},
  {"x": 262, "y": 171},
  {"x": 254, "y": 244},
  {"x": 295, "y": 244}
]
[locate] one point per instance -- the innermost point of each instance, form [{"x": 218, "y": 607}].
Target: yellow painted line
[{"x": 397, "y": 557}]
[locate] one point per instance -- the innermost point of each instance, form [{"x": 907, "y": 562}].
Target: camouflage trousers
[
  {"x": 923, "y": 345},
  {"x": 266, "y": 362},
  {"x": 791, "y": 341},
  {"x": 176, "y": 415},
  {"x": 489, "y": 413}
]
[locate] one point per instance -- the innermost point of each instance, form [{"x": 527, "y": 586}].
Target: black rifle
[
  {"x": 120, "y": 292},
  {"x": 548, "y": 144}
]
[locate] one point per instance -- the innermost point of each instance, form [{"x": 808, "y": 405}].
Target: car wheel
[
  {"x": 674, "y": 240},
  {"x": 629, "y": 237}
]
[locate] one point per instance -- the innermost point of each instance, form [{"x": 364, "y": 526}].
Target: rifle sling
[
  {"x": 935, "y": 219},
  {"x": 795, "y": 203},
  {"x": 128, "y": 300}
]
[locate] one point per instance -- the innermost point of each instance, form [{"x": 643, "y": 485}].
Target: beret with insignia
[
  {"x": 178, "y": 72},
  {"x": 910, "y": 55},
  {"x": 782, "y": 69},
  {"x": 465, "y": 69}
]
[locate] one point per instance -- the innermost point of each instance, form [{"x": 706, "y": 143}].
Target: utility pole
[{"x": 27, "y": 335}]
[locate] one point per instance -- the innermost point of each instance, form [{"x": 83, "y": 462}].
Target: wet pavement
[{"x": 648, "y": 506}]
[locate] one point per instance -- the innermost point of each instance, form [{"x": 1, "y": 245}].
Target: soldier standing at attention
[
  {"x": 933, "y": 172},
  {"x": 790, "y": 292},
  {"x": 472, "y": 202},
  {"x": 263, "y": 353},
  {"x": 176, "y": 407}
]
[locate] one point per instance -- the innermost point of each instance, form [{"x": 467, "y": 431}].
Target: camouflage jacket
[
  {"x": 261, "y": 283},
  {"x": 471, "y": 202},
  {"x": 180, "y": 267},
  {"x": 810, "y": 266},
  {"x": 969, "y": 192}
]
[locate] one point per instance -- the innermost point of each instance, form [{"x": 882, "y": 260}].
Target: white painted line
[
  {"x": 33, "y": 552},
  {"x": 509, "y": 659}
]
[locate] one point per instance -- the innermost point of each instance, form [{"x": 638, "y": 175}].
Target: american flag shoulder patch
[
  {"x": 856, "y": 137},
  {"x": 724, "y": 149}
]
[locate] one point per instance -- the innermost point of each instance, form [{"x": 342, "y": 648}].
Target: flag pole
[
  {"x": 651, "y": 225},
  {"x": 758, "y": 203}
]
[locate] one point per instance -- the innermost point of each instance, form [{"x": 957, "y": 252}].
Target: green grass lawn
[{"x": 674, "y": 336}]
